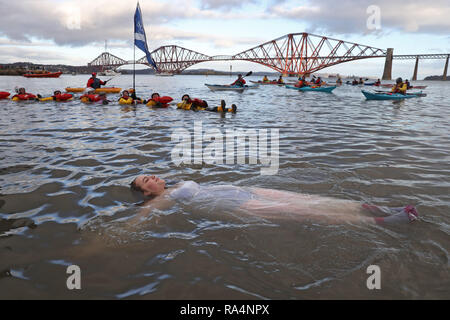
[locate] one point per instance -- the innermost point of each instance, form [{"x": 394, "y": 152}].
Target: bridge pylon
[{"x": 387, "y": 74}]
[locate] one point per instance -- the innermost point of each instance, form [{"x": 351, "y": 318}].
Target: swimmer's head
[
  {"x": 155, "y": 95},
  {"x": 185, "y": 97},
  {"x": 148, "y": 185}
]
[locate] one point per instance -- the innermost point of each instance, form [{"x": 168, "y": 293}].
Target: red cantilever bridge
[{"x": 292, "y": 54}]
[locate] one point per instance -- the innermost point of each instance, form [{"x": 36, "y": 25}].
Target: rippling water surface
[{"x": 64, "y": 196}]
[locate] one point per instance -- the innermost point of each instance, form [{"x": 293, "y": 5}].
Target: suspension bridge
[{"x": 292, "y": 54}]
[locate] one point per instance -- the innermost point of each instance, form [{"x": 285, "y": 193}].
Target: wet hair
[
  {"x": 185, "y": 95},
  {"x": 135, "y": 187},
  {"x": 154, "y": 94},
  {"x": 56, "y": 92}
]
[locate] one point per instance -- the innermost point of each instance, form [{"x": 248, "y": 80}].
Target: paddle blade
[{"x": 249, "y": 74}]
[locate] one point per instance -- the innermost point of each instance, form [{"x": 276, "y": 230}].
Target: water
[{"x": 65, "y": 170}]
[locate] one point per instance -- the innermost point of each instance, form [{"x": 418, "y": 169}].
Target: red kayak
[{"x": 43, "y": 75}]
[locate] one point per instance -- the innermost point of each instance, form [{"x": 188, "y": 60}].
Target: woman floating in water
[{"x": 268, "y": 203}]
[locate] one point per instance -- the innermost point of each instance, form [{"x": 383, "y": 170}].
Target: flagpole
[{"x": 134, "y": 69}]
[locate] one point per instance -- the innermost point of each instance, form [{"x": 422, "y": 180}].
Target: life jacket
[
  {"x": 62, "y": 97},
  {"x": 95, "y": 83},
  {"x": 300, "y": 84},
  {"x": 4, "y": 95},
  {"x": 159, "y": 102},
  {"x": 239, "y": 82},
  {"x": 24, "y": 96},
  {"x": 90, "y": 98},
  {"x": 400, "y": 88},
  {"x": 199, "y": 103}
]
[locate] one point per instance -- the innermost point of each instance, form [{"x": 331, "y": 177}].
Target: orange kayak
[{"x": 100, "y": 90}]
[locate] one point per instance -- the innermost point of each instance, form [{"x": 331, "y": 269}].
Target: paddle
[
  {"x": 111, "y": 78},
  {"x": 248, "y": 74}
]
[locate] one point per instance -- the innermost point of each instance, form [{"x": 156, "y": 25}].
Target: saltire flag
[{"x": 140, "y": 40}]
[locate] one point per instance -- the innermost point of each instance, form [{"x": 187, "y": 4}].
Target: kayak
[
  {"x": 389, "y": 96},
  {"x": 218, "y": 87},
  {"x": 418, "y": 94},
  {"x": 100, "y": 90},
  {"x": 43, "y": 75},
  {"x": 316, "y": 89},
  {"x": 268, "y": 83},
  {"x": 4, "y": 95}
]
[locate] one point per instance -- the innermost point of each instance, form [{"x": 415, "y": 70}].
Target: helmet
[
  {"x": 94, "y": 73},
  {"x": 399, "y": 80}
]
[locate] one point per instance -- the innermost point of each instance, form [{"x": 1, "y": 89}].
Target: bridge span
[{"x": 291, "y": 54}]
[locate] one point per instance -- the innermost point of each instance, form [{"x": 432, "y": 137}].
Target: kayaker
[
  {"x": 355, "y": 82},
  {"x": 339, "y": 81},
  {"x": 280, "y": 80},
  {"x": 361, "y": 81},
  {"x": 408, "y": 84},
  {"x": 240, "y": 82},
  {"x": 301, "y": 83},
  {"x": 318, "y": 82},
  {"x": 265, "y": 203},
  {"x": 400, "y": 87},
  {"x": 265, "y": 79},
  {"x": 94, "y": 82},
  {"x": 377, "y": 83}
]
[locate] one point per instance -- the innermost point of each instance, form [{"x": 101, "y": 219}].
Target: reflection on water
[{"x": 64, "y": 196}]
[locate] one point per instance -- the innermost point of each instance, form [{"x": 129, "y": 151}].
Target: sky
[{"x": 74, "y": 32}]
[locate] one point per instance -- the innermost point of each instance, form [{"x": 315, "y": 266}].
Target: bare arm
[{"x": 159, "y": 203}]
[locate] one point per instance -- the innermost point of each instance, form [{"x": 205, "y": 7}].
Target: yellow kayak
[{"x": 100, "y": 90}]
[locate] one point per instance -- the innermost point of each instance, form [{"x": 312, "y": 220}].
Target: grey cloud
[
  {"x": 224, "y": 4},
  {"x": 100, "y": 21},
  {"x": 350, "y": 17}
]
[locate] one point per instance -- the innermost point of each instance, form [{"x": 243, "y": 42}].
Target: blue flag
[{"x": 140, "y": 40}]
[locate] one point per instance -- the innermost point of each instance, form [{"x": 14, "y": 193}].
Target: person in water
[
  {"x": 222, "y": 108},
  {"x": 23, "y": 92},
  {"x": 126, "y": 95},
  {"x": 94, "y": 82},
  {"x": 267, "y": 203},
  {"x": 240, "y": 82},
  {"x": 192, "y": 104},
  {"x": 400, "y": 87}
]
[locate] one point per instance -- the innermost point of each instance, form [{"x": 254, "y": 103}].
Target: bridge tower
[{"x": 387, "y": 74}]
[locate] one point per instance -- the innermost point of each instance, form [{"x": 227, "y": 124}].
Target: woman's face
[{"x": 150, "y": 185}]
